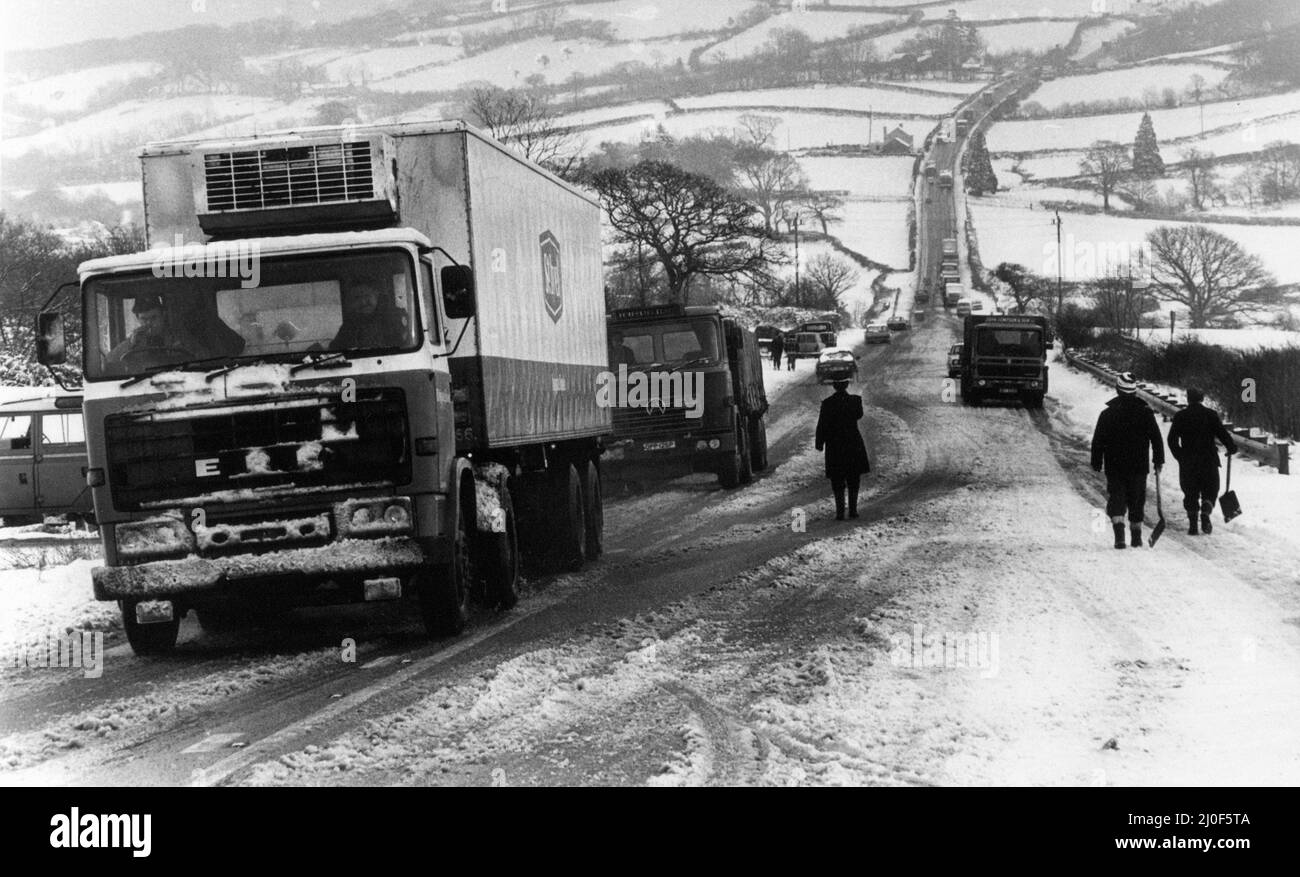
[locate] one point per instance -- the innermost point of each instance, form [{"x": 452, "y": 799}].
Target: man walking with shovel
[
  {"x": 1191, "y": 440},
  {"x": 1125, "y": 430}
]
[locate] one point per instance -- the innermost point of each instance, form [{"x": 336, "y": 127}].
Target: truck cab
[
  {"x": 1004, "y": 356},
  {"x": 688, "y": 395}
]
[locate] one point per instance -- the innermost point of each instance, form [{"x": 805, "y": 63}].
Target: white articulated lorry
[{"x": 357, "y": 364}]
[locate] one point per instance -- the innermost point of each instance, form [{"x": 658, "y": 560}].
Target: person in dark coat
[
  {"x": 777, "y": 347},
  {"x": 1191, "y": 440},
  {"x": 846, "y": 455},
  {"x": 369, "y": 320},
  {"x": 1125, "y": 431}
]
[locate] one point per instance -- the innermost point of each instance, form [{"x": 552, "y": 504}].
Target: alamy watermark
[
  {"x": 1089, "y": 260},
  {"x": 78, "y": 650},
  {"x": 240, "y": 259},
  {"x": 947, "y": 650},
  {"x": 652, "y": 390}
]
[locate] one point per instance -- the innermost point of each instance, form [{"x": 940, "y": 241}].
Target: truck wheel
[
  {"x": 1033, "y": 400},
  {"x": 497, "y": 559},
  {"x": 758, "y": 444},
  {"x": 742, "y": 448},
  {"x": 149, "y": 639},
  {"x": 593, "y": 501},
  {"x": 443, "y": 590},
  {"x": 568, "y": 533}
]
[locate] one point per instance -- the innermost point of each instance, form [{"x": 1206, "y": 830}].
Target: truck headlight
[
  {"x": 156, "y": 537},
  {"x": 374, "y": 518},
  {"x": 1034, "y": 385}
]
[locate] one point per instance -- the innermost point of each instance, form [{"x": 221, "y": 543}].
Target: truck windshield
[
  {"x": 1009, "y": 342},
  {"x": 665, "y": 343},
  {"x": 354, "y": 302}
]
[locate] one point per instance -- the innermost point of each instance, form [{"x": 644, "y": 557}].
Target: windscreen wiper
[
  {"x": 339, "y": 359},
  {"x": 186, "y": 365}
]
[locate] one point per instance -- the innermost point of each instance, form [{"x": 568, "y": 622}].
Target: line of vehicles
[{"x": 361, "y": 364}]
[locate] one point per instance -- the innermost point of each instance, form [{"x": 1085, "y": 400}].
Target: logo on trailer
[{"x": 552, "y": 290}]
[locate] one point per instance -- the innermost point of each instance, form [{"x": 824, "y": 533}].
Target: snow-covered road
[{"x": 973, "y": 627}]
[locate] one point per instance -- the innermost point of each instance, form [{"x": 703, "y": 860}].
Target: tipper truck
[
  {"x": 359, "y": 364},
  {"x": 701, "y": 402},
  {"x": 1004, "y": 355}
]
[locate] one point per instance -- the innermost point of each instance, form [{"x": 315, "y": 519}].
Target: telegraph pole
[
  {"x": 795, "y": 223},
  {"x": 1059, "y": 298}
]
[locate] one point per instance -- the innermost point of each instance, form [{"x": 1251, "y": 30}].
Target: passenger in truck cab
[{"x": 369, "y": 319}]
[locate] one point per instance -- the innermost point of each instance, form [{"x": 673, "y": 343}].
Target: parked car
[
  {"x": 954, "y": 361},
  {"x": 898, "y": 324},
  {"x": 877, "y": 333},
  {"x": 836, "y": 364},
  {"x": 42, "y": 456}
]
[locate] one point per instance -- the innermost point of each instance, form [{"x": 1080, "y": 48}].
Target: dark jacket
[
  {"x": 837, "y": 432},
  {"x": 1192, "y": 435},
  {"x": 778, "y": 346},
  {"x": 1125, "y": 430},
  {"x": 381, "y": 329}
]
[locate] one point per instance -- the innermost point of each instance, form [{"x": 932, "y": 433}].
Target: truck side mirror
[
  {"x": 51, "y": 348},
  {"x": 458, "y": 291}
]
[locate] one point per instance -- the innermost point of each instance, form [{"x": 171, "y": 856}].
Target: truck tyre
[
  {"x": 1033, "y": 400},
  {"x": 758, "y": 444},
  {"x": 742, "y": 448},
  {"x": 568, "y": 531},
  {"x": 443, "y": 589},
  {"x": 149, "y": 639},
  {"x": 593, "y": 501},
  {"x": 497, "y": 560}
]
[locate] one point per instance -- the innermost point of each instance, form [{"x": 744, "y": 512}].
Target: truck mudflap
[{"x": 167, "y": 578}]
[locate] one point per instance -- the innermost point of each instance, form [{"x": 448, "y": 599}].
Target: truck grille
[
  {"x": 320, "y": 173},
  {"x": 1001, "y": 369},
  {"x": 296, "y": 443},
  {"x": 637, "y": 422}
]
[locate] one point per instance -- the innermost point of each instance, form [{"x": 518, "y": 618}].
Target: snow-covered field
[
  {"x": 1077, "y": 132},
  {"x": 798, "y": 130},
  {"x": 1014, "y": 234},
  {"x": 1131, "y": 82},
  {"x": 886, "y": 176},
  {"x": 1031, "y": 36},
  {"x": 819, "y": 25},
  {"x": 70, "y": 92},
  {"x": 556, "y": 60},
  {"x": 1236, "y": 339},
  {"x": 136, "y": 121},
  {"x": 646, "y": 20},
  {"x": 878, "y": 100},
  {"x": 877, "y": 229},
  {"x": 380, "y": 64}
]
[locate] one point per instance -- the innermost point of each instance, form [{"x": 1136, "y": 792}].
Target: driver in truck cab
[{"x": 155, "y": 333}]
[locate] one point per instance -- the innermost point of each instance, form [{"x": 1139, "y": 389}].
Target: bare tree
[
  {"x": 1198, "y": 168},
  {"x": 1206, "y": 271},
  {"x": 693, "y": 226},
  {"x": 524, "y": 119},
  {"x": 771, "y": 180},
  {"x": 824, "y": 206},
  {"x": 758, "y": 129},
  {"x": 830, "y": 276},
  {"x": 1023, "y": 285},
  {"x": 1105, "y": 161}
]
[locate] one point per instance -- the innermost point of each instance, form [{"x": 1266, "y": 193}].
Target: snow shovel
[
  {"x": 1159, "y": 528},
  {"x": 1228, "y": 502}
]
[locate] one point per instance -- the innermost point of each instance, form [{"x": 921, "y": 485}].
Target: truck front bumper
[{"x": 346, "y": 559}]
